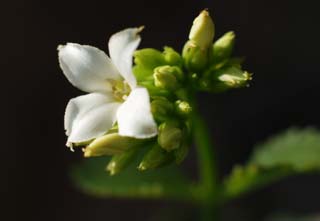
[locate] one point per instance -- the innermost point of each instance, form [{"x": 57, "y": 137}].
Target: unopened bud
[
  {"x": 223, "y": 47},
  {"x": 149, "y": 57},
  {"x": 202, "y": 30},
  {"x": 120, "y": 161},
  {"x": 161, "y": 108},
  {"x": 231, "y": 77},
  {"x": 145, "y": 61},
  {"x": 110, "y": 144},
  {"x": 195, "y": 58},
  {"x": 182, "y": 152},
  {"x": 165, "y": 77},
  {"x": 170, "y": 136},
  {"x": 196, "y": 51},
  {"x": 183, "y": 108},
  {"x": 172, "y": 57},
  {"x": 154, "y": 158}
]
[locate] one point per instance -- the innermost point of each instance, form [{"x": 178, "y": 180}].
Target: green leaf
[
  {"x": 168, "y": 182},
  {"x": 292, "y": 152},
  {"x": 296, "y": 148},
  {"x": 250, "y": 177}
]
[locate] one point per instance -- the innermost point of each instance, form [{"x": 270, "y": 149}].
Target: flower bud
[
  {"x": 195, "y": 58},
  {"x": 172, "y": 57},
  {"x": 181, "y": 153},
  {"x": 170, "y": 136},
  {"x": 120, "y": 161},
  {"x": 202, "y": 30},
  {"x": 154, "y": 158},
  {"x": 110, "y": 144},
  {"x": 165, "y": 77},
  {"x": 145, "y": 61},
  {"x": 196, "y": 51},
  {"x": 223, "y": 47},
  {"x": 149, "y": 57},
  {"x": 161, "y": 108},
  {"x": 230, "y": 77},
  {"x": 183, "y": 108},
  {"x": 153, "y": 90}
]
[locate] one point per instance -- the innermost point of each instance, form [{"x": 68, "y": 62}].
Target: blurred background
[{"x": 280, "y": 40}]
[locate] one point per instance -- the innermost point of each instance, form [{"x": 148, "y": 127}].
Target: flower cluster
[{"x": 146, "y": 107}]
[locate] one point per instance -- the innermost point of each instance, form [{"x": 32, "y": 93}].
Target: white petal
[
  {"x": 134, "y": 116},
  {"x": 89, "y": 116},
  {"x": 121, "y": 48},
  {"x": 87, "y": 67}
]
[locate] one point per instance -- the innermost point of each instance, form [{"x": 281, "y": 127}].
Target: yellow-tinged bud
[
  {"x": 229, "y": 77},
  {"x": 183, "y": 108},
  {"x": 170, "y": 136},
  {"x": 110, "y": 144},
  {"x": 196, "y": 51},
  {"x": 202, "y": 30},
  {"x": 166, "y": 77},
  {"x": 154, "y": 158}
]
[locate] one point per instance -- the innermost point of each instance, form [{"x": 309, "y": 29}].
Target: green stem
[{"x": 207, "y": 166}]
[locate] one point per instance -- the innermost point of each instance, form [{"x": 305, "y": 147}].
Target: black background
[{"x": 280, "y": 40}]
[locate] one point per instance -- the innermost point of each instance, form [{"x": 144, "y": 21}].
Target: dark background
[{"x": 280, "y": 40}]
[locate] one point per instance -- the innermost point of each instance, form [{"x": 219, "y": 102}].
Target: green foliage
[
  {"x": 292, "y": 152},
  {"x": 296, "y": 148},
  {"x": 250, "y": 177},
  {"x": 167, "y": 182}
]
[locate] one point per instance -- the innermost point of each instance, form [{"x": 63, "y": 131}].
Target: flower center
[{"x": 120, "y": 89}]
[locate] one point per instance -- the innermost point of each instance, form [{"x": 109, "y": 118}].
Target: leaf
[
  {"x": 297, "y": 148},
  {"x": 250, "y": 177},
  {"x": 92, "y": 179},
  {"x": 292, "y": 152}
]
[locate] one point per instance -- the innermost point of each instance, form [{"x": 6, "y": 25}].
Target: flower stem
[{"x": 207, "y": 166}]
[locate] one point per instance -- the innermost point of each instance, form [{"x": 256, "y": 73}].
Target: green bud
[
  {"x": 196, "y": 51},
  {"x": 149, "y": 57},
  {"x": 161, "y": 108},
  {"x": 153, "y": 90},
  {"x": 110, "y": 144},
  {"x": 154, "y": 158},
  {"x": 120, "y": 161},
  {"x": 145, "y": 61},
  {"x": 182, "y": 152},
  {"x": 172, "y": 57},
  {"x": 195, "y": 58},
  {"x": 202, "y": 30},
  {"x": 223, "y": 47},
  {"x": 183, "y": 108},
  {"x": 230, "y": 77},
  {"x": 170, "y": 136},
  {"x": 165, "y": 77}
]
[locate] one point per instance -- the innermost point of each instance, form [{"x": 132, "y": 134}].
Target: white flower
[{"x": 113, "y": 92}]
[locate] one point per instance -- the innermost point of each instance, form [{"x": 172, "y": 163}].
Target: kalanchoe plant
[{"x": 145, "y": 117}]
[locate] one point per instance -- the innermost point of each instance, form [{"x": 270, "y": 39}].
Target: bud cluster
[{"x": 170, "y": 79}]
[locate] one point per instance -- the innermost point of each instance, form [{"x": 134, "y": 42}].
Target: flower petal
[
  {"x": 87, "y": 67},
  {"x": 89, "y": 116},
  {"x": 121, "y": 48},
  {"x": 134, "y": 116}
]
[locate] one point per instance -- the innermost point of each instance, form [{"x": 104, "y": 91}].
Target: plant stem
[{"x": 207, "y": 166}]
